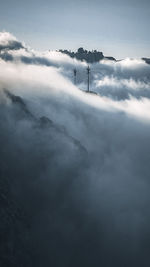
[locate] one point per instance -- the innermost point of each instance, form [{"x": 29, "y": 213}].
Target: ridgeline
[{"x": 88, "y": 56}]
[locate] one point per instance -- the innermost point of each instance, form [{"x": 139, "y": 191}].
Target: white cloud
[{"x": 101, "y": 195}]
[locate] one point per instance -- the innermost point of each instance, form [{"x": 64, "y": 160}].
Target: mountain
[
  {"x": 147, "y": 60},
  {"x": 21, "y": 111},
  {"x": 88, "y": 56}
]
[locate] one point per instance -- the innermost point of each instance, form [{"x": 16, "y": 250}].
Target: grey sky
[{"x": 118, "y": 28}]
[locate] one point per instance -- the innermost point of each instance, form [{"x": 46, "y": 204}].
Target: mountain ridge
[{"x": 88, "y": 56}]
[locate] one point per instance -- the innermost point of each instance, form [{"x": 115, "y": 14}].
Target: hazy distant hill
[{"x": 147, "y": 60}]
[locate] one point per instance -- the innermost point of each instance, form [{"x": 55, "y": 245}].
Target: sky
[{"x": 118, "y": 28}]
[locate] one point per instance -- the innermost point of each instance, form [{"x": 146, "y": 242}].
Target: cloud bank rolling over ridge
[{"x": 76, "y": 165}]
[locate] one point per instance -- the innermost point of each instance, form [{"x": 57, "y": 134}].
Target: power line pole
[
  {"x": 75, "y": 76},
  {"x": 88, "y": 84}
]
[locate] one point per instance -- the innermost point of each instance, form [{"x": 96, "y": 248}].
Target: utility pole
[
  {"x": 88, "y": 73},
  {"x": 75, "y": 76}
]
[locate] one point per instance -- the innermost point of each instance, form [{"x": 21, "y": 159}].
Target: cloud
[
  {"x": 9, "y": 42},
  {"x": 76, "y": 164},
  {"x": 120, "y": 80}
]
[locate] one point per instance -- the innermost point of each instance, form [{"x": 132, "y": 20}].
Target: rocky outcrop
[{"x": 88, "y": 56}]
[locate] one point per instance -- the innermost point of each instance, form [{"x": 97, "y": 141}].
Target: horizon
[{"x": 116, "y": 28}]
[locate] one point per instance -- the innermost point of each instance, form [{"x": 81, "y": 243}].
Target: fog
[{"x": 74, "y": 165}]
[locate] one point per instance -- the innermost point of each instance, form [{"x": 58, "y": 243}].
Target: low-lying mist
[{"x": 74, "y": 166}]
